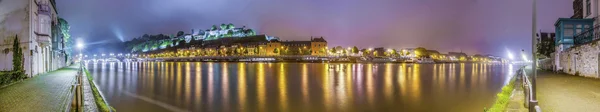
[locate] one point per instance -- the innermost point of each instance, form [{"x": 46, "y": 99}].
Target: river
[{"x": 278, "y": 87}]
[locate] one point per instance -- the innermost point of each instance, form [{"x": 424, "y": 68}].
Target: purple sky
[{"x": 473, "y": 26}]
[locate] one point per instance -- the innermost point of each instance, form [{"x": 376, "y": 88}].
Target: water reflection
[{"x": 210, "y": 86}]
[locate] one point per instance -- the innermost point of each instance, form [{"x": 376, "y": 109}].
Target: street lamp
[
  {"x": 80, "y": 47},
  {"x": 533, "y": 101}
]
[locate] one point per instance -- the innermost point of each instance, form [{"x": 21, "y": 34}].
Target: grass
[
  {"x": 502, "y": 98},
  {"x": 103, "y": 107}
]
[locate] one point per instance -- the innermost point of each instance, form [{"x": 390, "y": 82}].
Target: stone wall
[
  {"x": 546, "y": 64},
  {"x": 581, "y": 60}
]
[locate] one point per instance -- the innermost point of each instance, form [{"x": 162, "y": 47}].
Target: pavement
[
  {"x": 558, "y": 92},
  {"x": 517, "y": 99},
  {"x": 89, "y": 103},
  {"x": 48, "y": 92}
]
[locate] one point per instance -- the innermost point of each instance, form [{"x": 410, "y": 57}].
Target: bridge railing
[{"x": 528, "y": 92}]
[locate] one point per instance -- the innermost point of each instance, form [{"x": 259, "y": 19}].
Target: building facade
[
  {"x": 545, "y": 36},
  {"x": 31, "y": 21},
  {"x": 258, "y": 45},
  {"x": 577, "y": 9}
]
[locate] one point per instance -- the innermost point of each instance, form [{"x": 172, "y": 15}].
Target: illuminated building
[{"x": 32, "y": 21}]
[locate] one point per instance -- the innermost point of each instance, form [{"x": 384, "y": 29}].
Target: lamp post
[
  {"x": 79, "y": 93},
  {"x": 80, "y": 47},
  {"x": 533, "y": 101}
]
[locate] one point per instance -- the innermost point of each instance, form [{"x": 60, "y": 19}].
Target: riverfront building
[
  {"x": 32, "y": 22},
  {"x": 258, "y": 45}
]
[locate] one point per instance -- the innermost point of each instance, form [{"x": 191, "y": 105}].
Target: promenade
[
  {"x": 559, "y": 92},
  {"x": 47, "y": 92}
]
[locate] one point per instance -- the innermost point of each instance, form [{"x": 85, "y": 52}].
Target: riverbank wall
[{"x": 580, "y": 60}]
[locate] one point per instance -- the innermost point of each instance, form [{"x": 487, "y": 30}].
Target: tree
[
  {"x": 250, "y": 32},
  {"x": 17, "y": 59},
  {"x": 394, "y": 52},
  {"x": 333, "y": 50},
  {"x": 365, "y": 52},
  {"x": 276, "y": 51},
  {"x": 355, "y": 50},
  {"x": 401, "y": 53},
  {"x": 420, "y": 52},
  {"x": 230, "y": 26},
  {"x": 223, "y": 26},
  {"x": 180, "y": 33},
  {"x": 67, "y": 40},
  {"x": 213, "y": 28},
  {"x": 545, "y": 48},
  {"x": 229, "y": 33}
]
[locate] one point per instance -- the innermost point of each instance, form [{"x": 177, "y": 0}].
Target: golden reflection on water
[
  {"x": 178, "y": 85},
  {"x": 388, "y": 89},
  {"x": 416, "y": 85},
  {"x": 370, "y": 86},
  {"x": 402, "y": 80},
  {"x": 242, "y": 87},
  {"x": 332, "y": 87},
  {"x": 462, "y": 84},
  {"x": 198, "y": 84},
  {"x": 225, "y": 86},
  {"x": 348, "y": 98},
  {"x": 282, "y": 81},
  {"x": 305, "y": 92},
  {"x": 188, "y": 82},
  {"x": 260, "y": 85},
  {"x": 327, "y": 87},
  {"x": 210, "y": 84},
  {"x": 151, "y": 83}
]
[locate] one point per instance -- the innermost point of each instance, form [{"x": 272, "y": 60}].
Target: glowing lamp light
[
  {"x": 510, "y": 55},
  {"x": 80, "y": 45}
]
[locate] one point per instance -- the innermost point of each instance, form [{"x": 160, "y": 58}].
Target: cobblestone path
[{"x": 43, "y": 93}]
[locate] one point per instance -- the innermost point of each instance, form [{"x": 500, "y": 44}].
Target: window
[
  {"x": 588, "y": 7},
  {"x": 568, "y": 33}
]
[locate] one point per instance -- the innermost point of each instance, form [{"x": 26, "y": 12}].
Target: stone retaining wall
[
  {"x": 546, "y": 64},
  {"x": 581, "y": 60}
]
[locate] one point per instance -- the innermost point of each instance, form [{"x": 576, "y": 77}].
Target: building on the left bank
[{"x": 33, "y": 22}]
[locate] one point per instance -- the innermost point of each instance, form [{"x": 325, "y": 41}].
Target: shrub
[{"x": 502, "y": 98}]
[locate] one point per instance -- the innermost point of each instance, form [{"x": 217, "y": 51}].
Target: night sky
[{"x": 473, "y": 26}]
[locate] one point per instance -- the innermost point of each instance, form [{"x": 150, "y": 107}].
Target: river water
[{"x": 309, "y": 87}]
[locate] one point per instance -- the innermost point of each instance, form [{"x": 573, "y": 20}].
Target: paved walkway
[
  {"x": 517, "y": 99},
  {"x": 43, "y": 93},
  {"x": 567, "y": 93},
  {"x": 89, "y": 102}
]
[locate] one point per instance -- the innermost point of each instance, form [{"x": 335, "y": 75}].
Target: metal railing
[
  {"x": 587, "y": 36},
  {"x": 75, "y": 97},
  {"x": 528, "y": 92}
]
